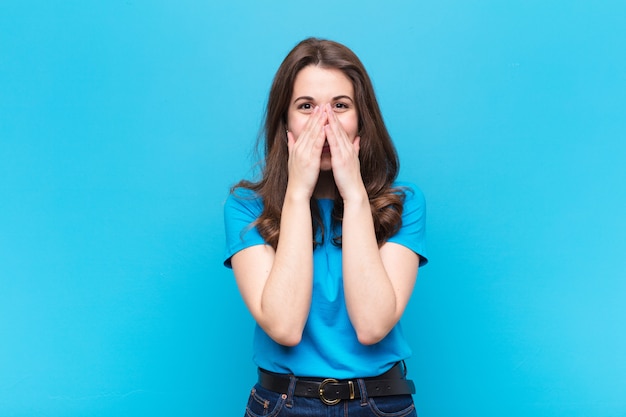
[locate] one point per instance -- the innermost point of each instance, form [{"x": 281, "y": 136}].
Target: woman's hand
[
  {"x": 305, "y": 154},
  {"x": 345, "y": 158}
]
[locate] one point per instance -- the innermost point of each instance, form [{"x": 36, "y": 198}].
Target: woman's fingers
[
  {"x": 311, "y": 139},
  {"x": 337, "y": 134},
  {"x": 305, "y": 151},
  {"x": 345, "y": 157},
  {"x": 340, "y": 143}
]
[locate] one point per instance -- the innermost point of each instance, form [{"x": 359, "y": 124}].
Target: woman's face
[{"x": 316, "y": 86}]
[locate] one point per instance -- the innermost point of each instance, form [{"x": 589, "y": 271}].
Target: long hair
[{"x": 377, "y": 154}]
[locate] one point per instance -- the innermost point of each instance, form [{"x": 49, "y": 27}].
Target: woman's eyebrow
[
  {"x": 307, "y": 98},
  {"x": 343, "y": 97}
]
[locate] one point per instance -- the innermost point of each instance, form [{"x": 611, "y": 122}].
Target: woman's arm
[
  {"x": 277, "y": 285},
  {"x": 377, "y": 282}
]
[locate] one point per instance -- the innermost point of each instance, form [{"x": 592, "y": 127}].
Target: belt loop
[
  {"x": 404, "y": 368},
  {"x": 351, "y": 385},
  {"x": 363, "y": 391},
  {"x": 290, "y": 390}
]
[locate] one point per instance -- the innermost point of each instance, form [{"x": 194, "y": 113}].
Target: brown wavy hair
[{"x": 377, "y": 154}]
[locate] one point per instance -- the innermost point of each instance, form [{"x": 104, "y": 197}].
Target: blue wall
[{"x": 123, "y": 123}]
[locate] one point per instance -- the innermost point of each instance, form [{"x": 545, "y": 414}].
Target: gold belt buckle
[
  {"x": 336, "y": 400},
  {"x": 321, "y": 392}
]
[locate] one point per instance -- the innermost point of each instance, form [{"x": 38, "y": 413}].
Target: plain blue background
[{"x": 123, "y": 124}]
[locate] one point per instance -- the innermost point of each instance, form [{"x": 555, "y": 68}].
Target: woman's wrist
[
  {"x": 356, "y": 198},
  {"x": 296, "y": 195}
]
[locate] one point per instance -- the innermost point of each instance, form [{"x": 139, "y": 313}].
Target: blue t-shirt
[{"x": 329, "y": 346}]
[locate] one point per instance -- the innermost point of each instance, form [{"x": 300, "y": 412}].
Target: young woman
[{"x": 326, "y": 246}]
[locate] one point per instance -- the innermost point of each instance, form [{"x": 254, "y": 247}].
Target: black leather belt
[{"x": 332, "y": 391}]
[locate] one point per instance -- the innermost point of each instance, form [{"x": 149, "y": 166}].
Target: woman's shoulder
[
  {"x": 410, "y": 190},
  {"x": 240, "y": 197},
  {"x": 244, "y": 193}
]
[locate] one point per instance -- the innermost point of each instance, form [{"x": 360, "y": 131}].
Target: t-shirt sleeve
[
  {"x": 241, "y": 209},
  {"x": 412, "y": 233}
]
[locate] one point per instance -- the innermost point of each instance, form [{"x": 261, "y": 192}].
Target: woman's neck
[{"x": 325, "y": 187}]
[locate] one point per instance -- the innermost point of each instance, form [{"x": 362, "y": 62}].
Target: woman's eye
[
  {"x": 341, "y": 106},
  {"x": 306, "y": 106}
]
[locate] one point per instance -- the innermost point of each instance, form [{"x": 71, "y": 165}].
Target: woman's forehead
[{"x": 318, "y": 81}]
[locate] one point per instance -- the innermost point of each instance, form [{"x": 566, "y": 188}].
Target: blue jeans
[{"x": 265, "y": 403}]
